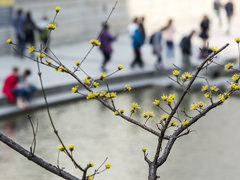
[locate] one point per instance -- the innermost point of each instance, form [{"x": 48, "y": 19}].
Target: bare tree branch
[{"x": 49, "y": 167}]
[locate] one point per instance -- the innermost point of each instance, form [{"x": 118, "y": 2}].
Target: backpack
[{"x": 151, "y": 38}]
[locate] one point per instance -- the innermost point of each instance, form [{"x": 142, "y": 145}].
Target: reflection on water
[{"x": 210, "y": 153}]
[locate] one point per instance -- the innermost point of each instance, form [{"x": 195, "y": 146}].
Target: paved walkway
[{"x": 123, "y": 54}]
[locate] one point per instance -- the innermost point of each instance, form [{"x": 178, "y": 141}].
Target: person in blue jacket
[{"x": 137, "y": 41}]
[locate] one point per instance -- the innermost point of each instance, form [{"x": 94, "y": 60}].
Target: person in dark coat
[
  {"x": 18, "y": 23},
  {"x": 217, "y": 7},
  {"x": 141, "y": 23},
  {"x": 106, "y": 40},
  {"x": 29, "y": 27},
  {"x": 157, "y": 48},
  {"x": 229, "y": 12},
  {"x": 186, "y": 49},
  {"x": 204, "y": 35}
]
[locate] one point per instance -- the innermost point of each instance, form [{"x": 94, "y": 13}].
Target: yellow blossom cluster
[
  {"x": 41, "y": 55},
  {"x": 228, "y": 66},
  {"x": 86, "y": 80},
  {"x": 62, "y": 69},
  {"x": 108, "y": 165},
  {"x": 169, "y": 98},
  {"x": 128, "y": 88},
  {"x": 95, "y": 84},
  {"x": 201, "y": 104},
  {"x": 135, "y": 107},
  {"x": 51, "y": 26},
  {"x": 174, "y": 123},
  {"x": 164, "y": 117},
  {"x": 207, "y": 95},
  {"x": 234, "y": 86},
  {"x": 148, "y": 114},
  {"x": 9, "y": 41},
  {"x": 235, "y": 77},
  {"x": 185, "y": 123},
  {"x": 237, "y": 40},
  {"x": 214, "y": 49},
  {"x": 77, "y": 63},
  {"x": 204, "y": 88},
  {"x": 176, "y": 73},
  {"x": 156, "y": 102},
  {"x": 103, "y": 93},
  {"x": 144, "y": 149},
  {"x": 90, "y": 177},
  {"x": 116, "y": 113},
  {"x": 186, "y": 76},
  {"x": 75, "y": 89},
  {"x": 71, "y": 147},
  {"x": 92, "y": 95},
  {"x": 111, "y": 95},
  {"x": 214, "y": 89},
  {"x": 120, "y": 67},
  {"x": 31, "y": 49},
  {"x": 108, "y": 95},
  {"x": 207, "y": 90},
  {"x": 194, "y": 106},
  {"x": 61, "y": 148},
  {"x": 57, "y": 9},
  {"x": 91, "y": 163},
  {"x": 48, "y": 62},
  {"x": 95, "y": 42},
  {"x": 102, "y": 76},
  {"x": 221, "y": 97},
  {"x": 224, "y": 97}
]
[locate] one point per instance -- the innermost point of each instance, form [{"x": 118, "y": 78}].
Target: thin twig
[{"x": 51, "y": 120}]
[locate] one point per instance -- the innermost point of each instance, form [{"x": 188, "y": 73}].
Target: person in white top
[
  {"x": 169, "y": 36},
  {"x": 133, "y": 26}
]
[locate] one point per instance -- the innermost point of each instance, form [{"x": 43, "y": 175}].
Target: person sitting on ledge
[{"x": 10, "y": 83}]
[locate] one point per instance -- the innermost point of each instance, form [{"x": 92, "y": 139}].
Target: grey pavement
[{"x": 123, "y": 54}]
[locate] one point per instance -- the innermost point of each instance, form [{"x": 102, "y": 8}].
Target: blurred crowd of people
[
  {"x": 165, "y": 34},
  {"x": 25, "y": 30},
  {"x": 17, "y": 90}
]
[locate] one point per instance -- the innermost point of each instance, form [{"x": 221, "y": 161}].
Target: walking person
[
  {"x": 217, "y": 7},
  {"x": 186, "y": 49},
  {"x": 133, "y": 26},
  {"x": 204, "y": 35},
  {"x": 137, "y": 42},
  {"x": 29, "y": 28},
  {"x": 169, "y": 36},
  {"x": 229, "y": 11},
  {"x": 106, "y": 40},
  {"x": 141, "y": 23},
  {"x": 43, "y": 33},
  {"x": 157, "y": 48},
  {"x": 18, "y": 23}
]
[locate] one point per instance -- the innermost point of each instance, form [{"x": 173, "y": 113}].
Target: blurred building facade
[{"x": 81, "y": 19}]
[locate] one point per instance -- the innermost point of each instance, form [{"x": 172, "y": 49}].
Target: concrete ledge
[{"x": 62, "y": 94}]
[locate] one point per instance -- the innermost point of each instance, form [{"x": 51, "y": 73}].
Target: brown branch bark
[{"x": 49, "y": 167}]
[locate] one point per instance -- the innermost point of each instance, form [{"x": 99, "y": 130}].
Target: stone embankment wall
[{"x": 81, "y": 19}]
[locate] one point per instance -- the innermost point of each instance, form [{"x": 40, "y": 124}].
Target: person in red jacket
[{"x": 10, "y": 83}]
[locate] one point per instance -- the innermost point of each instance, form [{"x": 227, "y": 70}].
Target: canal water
[{"x": 210, "y": 152}]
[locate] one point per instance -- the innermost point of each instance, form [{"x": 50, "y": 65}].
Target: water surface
[{"x": 211, "y": 152}]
